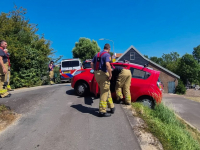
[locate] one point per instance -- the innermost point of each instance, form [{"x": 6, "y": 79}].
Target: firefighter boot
[
  {"x": 9, "y": 88},
  {"x": 119, "y": 101},
  {"x": 112, "y": 110},
  {"x": 4, "y": 94},
  {"x": 104, "y": 114}
]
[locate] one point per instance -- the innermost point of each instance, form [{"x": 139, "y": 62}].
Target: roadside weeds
[
  {"x": 196, "y": 99},
  {"x": 7, "y": 117},
  {"x": 146, "y": 140},
  {"x": 172, "y": 131}
]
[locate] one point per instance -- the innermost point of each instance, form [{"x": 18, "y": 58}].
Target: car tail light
[{"x": 159, "y": 86}]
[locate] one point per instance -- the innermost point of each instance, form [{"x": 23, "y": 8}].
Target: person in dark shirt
[
  {"x": 3, "y": 69},
  {"x": 103, "y": 74},
  {"x": 122, "y": 80}
]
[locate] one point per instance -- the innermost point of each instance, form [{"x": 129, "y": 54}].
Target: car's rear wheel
[
  {"x": 147, "y": 101},
  {"x": 81, "y": 89}
]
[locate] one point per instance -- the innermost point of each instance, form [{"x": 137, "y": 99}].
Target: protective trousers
[
  {"x": 51, "y": 75},
  {"x": 124, "y": 82},
  {"x": 3, "y": 92},
  {"x": 7, "y": 77},
  {"x": 105, "y": 94}
]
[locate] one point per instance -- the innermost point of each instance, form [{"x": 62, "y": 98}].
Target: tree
[
  {"x": 157, "y": 60},
  {"x": 170, "y": 61},
  {"x": 146, "y": 56},
  {"x": 188, "y": 68},
  {"x": 85, "y": 49},
  {"x": 180, "y": 89},
  {"x": 196, "y": 53},
  {"x": 111, "y": 54},
  {"x": 29, "y": 52}
]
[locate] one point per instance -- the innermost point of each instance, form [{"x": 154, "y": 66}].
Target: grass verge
[
  {"x": 6, "y": 117},
  {"x": 171, "y": 131},
  {"x": 196, "y": 99}
]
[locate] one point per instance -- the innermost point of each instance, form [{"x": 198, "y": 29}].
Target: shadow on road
[
  {"x": 70, "y": 92},
  {"x": 84, "y": 109},
  {"x": 89, "y": 100}
]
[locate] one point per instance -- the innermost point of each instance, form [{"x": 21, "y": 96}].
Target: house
[
  {"x": 168, "y": 78},
  {"x": 118, "y": 55}
]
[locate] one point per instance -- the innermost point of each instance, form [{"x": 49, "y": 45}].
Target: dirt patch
[
  {"x": 192, "y": 93},
  {"x": 7, "y": 117}
]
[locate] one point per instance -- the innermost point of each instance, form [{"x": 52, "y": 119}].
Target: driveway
[
  {"x": 187, "y": 109},
  {"x": 53, "y": 118}
]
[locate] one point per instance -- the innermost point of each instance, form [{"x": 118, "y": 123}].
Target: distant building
[
  {"x": 118, "y": 55},
  {"x": 168, "y": 78}
]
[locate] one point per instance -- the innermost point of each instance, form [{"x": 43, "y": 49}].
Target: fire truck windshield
[{"x": 70, "y": 63}]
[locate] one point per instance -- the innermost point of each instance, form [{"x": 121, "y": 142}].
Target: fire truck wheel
[{"x": 81, "y": 89}]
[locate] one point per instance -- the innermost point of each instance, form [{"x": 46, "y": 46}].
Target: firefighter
[
  {"x": 123, "y": 81},
  {"x": 3, "y": 69},
  {"x": 102, "y": 70},
  {"x": 51, "y": 72},
  {"x": 7, "y": 75}
]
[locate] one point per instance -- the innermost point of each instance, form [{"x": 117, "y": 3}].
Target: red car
[
  {"x": 145, "y": 84},
  {"x": 86, "y": 64}
]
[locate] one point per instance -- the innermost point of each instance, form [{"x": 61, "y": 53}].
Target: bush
[
  {"x": 180, "y": 89},
  {"x": 57, "y": 75}
]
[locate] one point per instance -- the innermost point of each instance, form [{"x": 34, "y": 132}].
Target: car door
[
  {"x": 138, "y": 83},
  {"x": 94, "y": 85}
]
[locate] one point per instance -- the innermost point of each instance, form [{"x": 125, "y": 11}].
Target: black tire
[
  {"x": 147, "y": 101},
  {"x": 81, "y": 89}
]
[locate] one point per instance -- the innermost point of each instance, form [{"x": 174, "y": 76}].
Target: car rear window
[
  {"x": 136, "y": 73},
  {"x": 87, "y": 65}
]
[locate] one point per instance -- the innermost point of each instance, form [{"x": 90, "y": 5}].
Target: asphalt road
[
  {"x": 185, "y": 108},
  {"x": 53, "y": 118}
]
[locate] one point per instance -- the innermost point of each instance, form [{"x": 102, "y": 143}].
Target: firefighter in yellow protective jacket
[
  {"x": 122, "y": 78},
  {"x": 3, "y": 69},
  {"x": 7, "y": 75},
  {"x": 51, "y": 72},
  {"x": 102, "y": 70}
]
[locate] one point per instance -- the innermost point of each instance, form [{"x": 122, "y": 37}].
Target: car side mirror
[{"x": 92, "y": 71}]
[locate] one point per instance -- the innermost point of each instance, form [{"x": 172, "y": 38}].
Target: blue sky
[{"x": 153, "y": 27}]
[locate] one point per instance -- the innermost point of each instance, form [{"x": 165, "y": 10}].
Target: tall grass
[
  {"x": 163, "y": 123},
  {"x": 2, "y": 108}
]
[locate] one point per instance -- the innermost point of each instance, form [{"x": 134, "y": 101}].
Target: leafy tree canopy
[
  {"x": 29, "y": 52},
  {"x": 196, "y": 53},
  {"x": 85, "y": 49},
  {"x": 188, "y": 69}
]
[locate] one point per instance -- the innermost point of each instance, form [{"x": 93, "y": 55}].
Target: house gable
[
  {"x": 141, "y": 60},
  {"x": 133, "y": 56}
]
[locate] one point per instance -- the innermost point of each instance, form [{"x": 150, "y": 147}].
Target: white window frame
[{"x": 132, "y": 54}]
